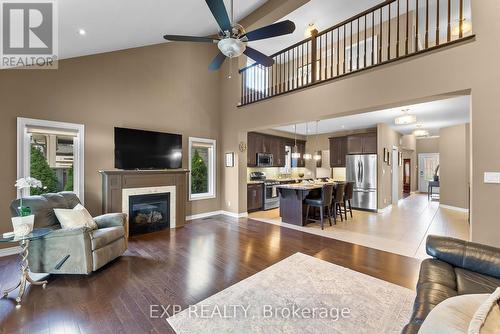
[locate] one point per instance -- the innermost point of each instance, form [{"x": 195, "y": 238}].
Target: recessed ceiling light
[{"x": 81, "y": 32}]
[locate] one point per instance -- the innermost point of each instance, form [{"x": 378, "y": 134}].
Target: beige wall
[
  {"x": 409, "y": 149},
  {"x": 463, "y": 68},
  {"x": 388, "y": 139},
  {"x": 162, "y": 88},
  {"x": 428, "y": 145},
  {"x": 454, "y": 161}
]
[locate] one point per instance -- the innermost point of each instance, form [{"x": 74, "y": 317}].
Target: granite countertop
[
  {"x": 302, "y": 186},
  {"x": 255, "y": 182}
]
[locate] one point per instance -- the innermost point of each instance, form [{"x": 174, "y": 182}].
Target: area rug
[{"x": 301, "y": 294}]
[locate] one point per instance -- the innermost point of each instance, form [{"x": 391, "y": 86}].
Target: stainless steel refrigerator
[{"x": 362, "y": 170}]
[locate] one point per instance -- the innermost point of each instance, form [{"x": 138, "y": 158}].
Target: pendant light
[
  {"x": 307, "y": 156},
  {"x": 317, "y": 155},
  {"x": 295, "y": 153},
  {"x": 406, "y": 119}
]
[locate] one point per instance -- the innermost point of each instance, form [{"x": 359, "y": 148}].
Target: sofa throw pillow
[
  {"x": 77, "y": 217},
  {"x": 88, "y": 217},
  {"x": 453, "y": 315},
  {"x": 486, "y": 320}
]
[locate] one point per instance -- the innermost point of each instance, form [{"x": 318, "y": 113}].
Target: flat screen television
[{"x": 139, "y": 149}]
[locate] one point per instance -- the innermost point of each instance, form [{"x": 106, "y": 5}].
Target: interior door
[
  {"x": 407, "y": 176},
  {"x": 427, "y": 164}
]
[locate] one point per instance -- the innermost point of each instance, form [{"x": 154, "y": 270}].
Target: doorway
[
  {"x": 395, "y": 175},
  {"x": 406, "y": 177},
  {"x": 427, "y": 166}
]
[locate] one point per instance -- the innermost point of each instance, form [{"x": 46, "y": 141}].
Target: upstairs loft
[{"x": 391, "y": 31}]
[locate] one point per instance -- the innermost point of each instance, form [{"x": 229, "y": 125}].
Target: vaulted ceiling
[{"x": 121, "y": 24}]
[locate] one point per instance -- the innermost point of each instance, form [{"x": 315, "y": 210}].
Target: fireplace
[{"x": 149, "y": 212}]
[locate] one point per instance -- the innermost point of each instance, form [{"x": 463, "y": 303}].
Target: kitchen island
[{"x": 292, "y": 196}]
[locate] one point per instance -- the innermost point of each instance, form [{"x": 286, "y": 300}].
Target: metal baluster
[
  {"x": 389, "y": 35},
  {"x": 397, "y": 33},
  {"x": 338, "y": 51},
  {"x": 381, "y": 37},
  {"x": 357, "y": 47},
  {"x": 438, "y": 33},
  {"x": 426, "y": 24},
  {"x": 416, "y": 26},
  {"x": 350, "y": 53},
  {"x": 364, "y": 54},
  {"x": 449, "y": 22},
  {"x": 407, "y": 46},
  {"x": 373, "y": 38}
]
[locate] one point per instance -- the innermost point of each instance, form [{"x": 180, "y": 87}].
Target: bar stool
[
  {"x": 338, "y": 199},
  {"x": 324, "y": 202},
  {"x": 348, "y": 194}
]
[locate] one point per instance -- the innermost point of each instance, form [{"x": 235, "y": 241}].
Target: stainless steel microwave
[{"x": 264, "y": 159}]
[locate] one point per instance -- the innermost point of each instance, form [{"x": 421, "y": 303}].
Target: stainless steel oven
[
  {"x": 271, "y": 196},
  {"x": 264, "y": 159}
]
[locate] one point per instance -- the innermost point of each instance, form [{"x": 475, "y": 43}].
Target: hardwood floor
[{"x": 180, "y": 267}]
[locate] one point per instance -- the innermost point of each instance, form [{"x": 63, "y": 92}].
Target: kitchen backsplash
[
  {"x": 276, "y": 172},
  {"x": 339, "y": 174}
]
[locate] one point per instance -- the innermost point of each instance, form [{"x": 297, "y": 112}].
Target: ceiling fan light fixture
[
  {"x": 307, "y": 156},
  {"x": 317, "y": 156},
  {"x": 231, "y": 47}
]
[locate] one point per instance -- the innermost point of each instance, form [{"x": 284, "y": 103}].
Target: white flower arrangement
[
  {"x": 25, "y": 183},
  {"x": 28, "y": 182}
]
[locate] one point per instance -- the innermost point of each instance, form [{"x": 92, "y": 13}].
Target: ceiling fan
[{"x": 232, "y": 38}]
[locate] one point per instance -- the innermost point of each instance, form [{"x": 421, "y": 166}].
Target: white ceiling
[
  {"x": 433, "y": 115},
  {"x": 112, "y": 25}
]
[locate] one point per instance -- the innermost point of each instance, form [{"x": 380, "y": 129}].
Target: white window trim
[
  {"x": 23, "y": 149},
  {"x": 212, "y": 161}
]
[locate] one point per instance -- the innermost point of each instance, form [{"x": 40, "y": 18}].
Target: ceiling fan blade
[
  {"x": 217, "y": 62},
  {"x": 180, "y": 38},
  {"x": 219, "y": 12},
  {"x": 273, "y": 30},
  {"x": 259, "y": 57}
]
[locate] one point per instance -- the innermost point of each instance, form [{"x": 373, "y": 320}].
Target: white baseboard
[
  {"x": 453, "y": 208},
  {"x": 10, "y": 251},
  {"x": 387, "y": 208},
  {"x": 204, "y": 215},
  {"x": 217, "y": 213},
  {"x": 235, "y": 215}
]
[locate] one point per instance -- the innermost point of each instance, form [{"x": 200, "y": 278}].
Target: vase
[
  {"x": 24, "y": 211},
  {"x": 23, "y": 225}
]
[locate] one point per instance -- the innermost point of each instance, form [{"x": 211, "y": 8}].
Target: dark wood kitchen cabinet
[
  {"x": 338, "y": 151},
  {"x": 262, "y": 143},
  {"x": 363, "y": 143},
  {"x": 255, "y": 197}
]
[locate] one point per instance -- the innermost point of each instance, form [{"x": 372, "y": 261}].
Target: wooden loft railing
[{"x": 390, "y": 31}]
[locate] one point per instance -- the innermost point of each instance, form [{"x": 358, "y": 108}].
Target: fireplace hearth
[{"x": 149, "y": 213}]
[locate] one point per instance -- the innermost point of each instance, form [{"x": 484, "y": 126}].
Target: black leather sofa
[{"x": 457, "y": 268}]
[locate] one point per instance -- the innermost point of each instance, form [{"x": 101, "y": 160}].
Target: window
[
  {"x": 257, "y": 79},
  {"x": 202, "y": 159},
  {"x": 51, "y": 152}
]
